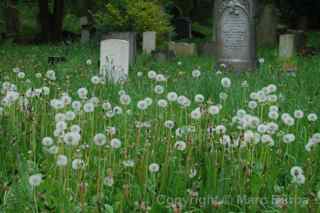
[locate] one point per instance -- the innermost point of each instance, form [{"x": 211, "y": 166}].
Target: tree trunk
[
  {"x": 51, "y": 25},
  {"x": 44, "y": 20},
  {"x": 12, "y": 18},
  {"x": 58, "y": 15}
]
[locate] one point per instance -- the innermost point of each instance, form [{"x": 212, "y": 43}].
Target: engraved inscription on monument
[{"x": 235, "y": 34}]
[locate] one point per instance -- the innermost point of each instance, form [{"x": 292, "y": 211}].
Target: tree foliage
[{"x": 128, "y": 15}]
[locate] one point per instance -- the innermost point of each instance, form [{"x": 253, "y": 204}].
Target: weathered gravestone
[
  {"x": 182, "y": 48},
  {"x": 114, "y": 60},
  {"x": 127, "y": 36},
  {"x": 149, "y": 42},
  {"x": 235, "y": 34},
  {"x": 287, "y": 46},
  {"x": 207, "y": 49},
  {"x": 85, "y": 29},
  {"x": 300, "y": 38},
  {"x": 183, "y": 28},
  {"x": 267, "y": 27}
]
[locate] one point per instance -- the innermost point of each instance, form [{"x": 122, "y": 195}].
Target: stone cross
[
  {"x": 149, "y": 42},
  {"x": 235, "y": 34},
  {"x": 114, "y": 60}
]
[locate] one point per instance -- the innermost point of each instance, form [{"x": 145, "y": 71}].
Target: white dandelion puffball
[
  {"x": 196, "y": 114},
  {"x": 77, "y": 164},
  {"x": 89, "y": 62},
  {"x": 117, "y": 110},
  {"x": 152, "y": 74},
  {"x": 149, "y": 101},
  {"x": 288, "y": 138},
  {"x": 172, "y": 96},
  {"x": 226, "y": 82},
  {"x": 162, "y": 103},
  {"x": 82, "y": 93},
  {"x": 142, "y": 105},
  {"x": 88, "y": 107},
  {"x": 51, "y": 75},
  {"x": 76, "y": 106},
  {"x": 300, "y": 179},
  {"x": 298, "y": 114},
  {"x": 296, "y": 171},
  {"x": 62, "y": 160},
  {"x": 193, "y": 173},
  {"x": 196, "y": 73},
  {"x": 95, "y": 80},
  {"x": 109, "y": 181},
  {"x": 180, "y": 145},
  {"x": 128, "y": 163},
  {"x": 160, "y": 78},
  {"x": 100, "y": 139},
  {"x": 21, "y": 75},
  {"x": 213, "y": 110},
  {"x": 47, "y": 141},
  {"x": 125, "y": 99},
  {"x": 312, "y": 117},
  {"x": 139, "y": 74},
  {"x": 158, "y": 89},
  {"x": 72, "y": 138},
  {"x": 70, "y": 115},
  {"x": 35, "y": 180},
  {"x": 252, "y": 104},
  {"x": 199, "y": 98},
  {"x": 169, "y": 124},
  {"x": 261, "y": 60},
  {"x": 154, "y": 167},
  {"x": 115, "y": 143}
]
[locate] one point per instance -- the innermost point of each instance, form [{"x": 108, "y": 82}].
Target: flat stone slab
[{"x": 183, "y": 49}]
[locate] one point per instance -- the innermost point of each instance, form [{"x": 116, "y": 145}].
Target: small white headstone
[
  {"x": 149, "y": 42},
  {"x": 114, "y": 59},
  {"x": 85, "y": 36},
  {"x": 287, "y": 47}
]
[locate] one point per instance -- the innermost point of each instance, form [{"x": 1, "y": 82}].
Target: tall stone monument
[
  {"x": 267, "y": 27},
  {"x": 235, "y": 34}
]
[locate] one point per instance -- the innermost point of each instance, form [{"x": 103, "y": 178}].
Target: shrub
[{"x": 128, "y": 15}]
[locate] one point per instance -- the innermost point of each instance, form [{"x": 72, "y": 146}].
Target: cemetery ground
[{"x": 181, "y": 138}]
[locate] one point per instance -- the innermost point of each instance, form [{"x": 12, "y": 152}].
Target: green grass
[{"x": 223, "y": 174}]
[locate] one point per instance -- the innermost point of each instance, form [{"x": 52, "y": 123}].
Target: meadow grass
[{"x": 202, "y": 168}]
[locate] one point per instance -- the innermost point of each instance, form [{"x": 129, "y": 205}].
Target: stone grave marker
[
  {"x": 183, "y": 28},
  {"x": 114, "y": 60},
  {"x": 127, "y": 36},
  {"x": 149, "y": 42},
  {"x": 207, "y": 49},
  {"x": 85, "y": 29},
  {"x": 235, "y": 34},
  {"x": 300, "y": 38},
  {"x": 182, "y": 48},
  {"x": 267, "y": 27},
  {"x": 287, "y": 46}
]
